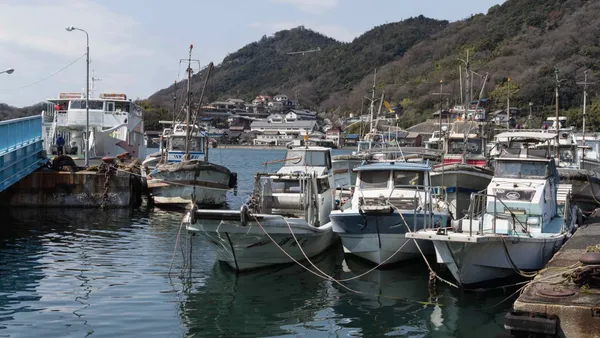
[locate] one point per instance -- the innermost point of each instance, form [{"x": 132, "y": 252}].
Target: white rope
[{"x": 421, "y": 251}]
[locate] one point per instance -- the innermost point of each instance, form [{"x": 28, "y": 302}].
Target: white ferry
[{"x": 115, "y": 125}]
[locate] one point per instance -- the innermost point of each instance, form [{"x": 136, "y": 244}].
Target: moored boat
[
  {"x": 522, "y": 219},
  {"x": 286, "y": 218},
  {"x": 390, "y": 199}
]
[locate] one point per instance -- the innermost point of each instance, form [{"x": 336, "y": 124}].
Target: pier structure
[
  {"x": 553, "y": 304},
  {"x": 21, "y": 149}
]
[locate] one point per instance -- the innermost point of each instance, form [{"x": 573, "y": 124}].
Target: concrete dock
[
  {"x": 75, "y": 188},
  {"x": 552, "y": 305}
]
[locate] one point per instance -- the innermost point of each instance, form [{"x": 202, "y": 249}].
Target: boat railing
[
  {"x": 478, "y": 208},
  {"x": 428, "y": 192}
]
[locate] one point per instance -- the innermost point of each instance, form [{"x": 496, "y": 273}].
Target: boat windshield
[
  {"x": 177, "y": 143},
  {"x": 566, "y": 155},
  {"x": 521, "y": 169},
  {"x": 279, "y": 186},
  {"x": 406, "y": 178},
  {"x": 306, "y": 158},
  {"x": 374, "y": 179},
  {"x": 457, "y": 146}
]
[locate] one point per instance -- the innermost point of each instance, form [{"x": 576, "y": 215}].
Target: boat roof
[
  {"x": 527, "y": 135},
  {"x": 394, "y": 166},
  {"x": 313, "y": 148}
]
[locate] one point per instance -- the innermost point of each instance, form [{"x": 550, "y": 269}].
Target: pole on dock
[{"x": 441, "y": 94}]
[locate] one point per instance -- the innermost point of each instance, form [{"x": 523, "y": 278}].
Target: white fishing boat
[
  {"x": 183, "y": 173},
  {"x": 285, "y": 219},
  {"x": 390, "y": 199},
  {"x": 115, "y": 125},
  {"x": 516, "y": 226}
]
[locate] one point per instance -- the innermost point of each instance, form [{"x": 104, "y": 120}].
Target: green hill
[{"x": 521, "y": 39}]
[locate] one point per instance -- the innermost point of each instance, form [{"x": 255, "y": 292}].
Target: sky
[{"x": 136, "y": 45}]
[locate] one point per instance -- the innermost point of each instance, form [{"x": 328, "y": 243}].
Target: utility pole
[
  {"x": 441, "y": 94},
  {"x": 508, "y": 106},
  {"x": 529, "y": 119},
  {"x": 585, "y": 84}
]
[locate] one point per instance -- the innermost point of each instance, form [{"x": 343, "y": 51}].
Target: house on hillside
[
  {"x": 299, "y": 114},
  {"x": 280, "y": 98},
  {"x": 261, "y": 100},
  {"x": 284, "y": 128}
]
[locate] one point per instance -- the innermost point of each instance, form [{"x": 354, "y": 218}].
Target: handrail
[{"x": 496, "y": 199}]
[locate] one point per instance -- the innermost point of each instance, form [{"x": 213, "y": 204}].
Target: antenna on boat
[
  {"x": 94, "y": 79},
  {"x": 209, "y": 70}
]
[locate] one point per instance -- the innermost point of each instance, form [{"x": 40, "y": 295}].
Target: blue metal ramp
[{"x": 21, "y": 149}]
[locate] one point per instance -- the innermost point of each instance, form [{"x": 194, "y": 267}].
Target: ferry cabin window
[
  {"x": 375, "y": 179},
  {"x": 473, "y": 146},
  {"x": 408, "y": 178},
  {"x": 94, "y": 105},
  {"x": 521, "y": 169},
  {"x": 285, "y": 186}
]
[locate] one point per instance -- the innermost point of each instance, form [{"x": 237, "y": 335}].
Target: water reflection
[{"x": 267, "y": 302}]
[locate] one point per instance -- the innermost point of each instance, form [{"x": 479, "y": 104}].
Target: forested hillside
[
  {"x": 266, "y": 67},
  {"x": 521, "y": 39}
]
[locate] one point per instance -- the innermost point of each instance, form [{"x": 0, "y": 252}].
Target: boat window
[
  {"x": 122, "y": 107},
  {"x": 374, "y": 179},
  {"x": 432, "y": 146},
  {"x": 196, "y": 143},
  {"x": 285, "y": 186},
  {"x": 80, "y": 104},
  {"x": 323, "y": 184},
  {"x": 457, "y": 146},
  {"x": 308, "y": 158},
  {"x": 406, "y": 178},
  {"x": 177, "y": 143},
  {"x": 521, "y": 169},
  {"x": 565, "y": 155}
]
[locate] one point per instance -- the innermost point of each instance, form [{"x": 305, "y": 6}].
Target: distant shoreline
[{"x": 239, "y": 146}]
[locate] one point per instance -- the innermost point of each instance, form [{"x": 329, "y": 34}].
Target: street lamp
[
  {"x": 7, "y": 71},
  {"x": 87, "y": 93}
]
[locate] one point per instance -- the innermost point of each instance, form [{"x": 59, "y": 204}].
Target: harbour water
[{"x": 92, "y": 273}]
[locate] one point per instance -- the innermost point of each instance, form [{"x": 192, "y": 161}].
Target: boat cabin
[
  {"x": 468, "y": 149},
  {"x": 522, "y": 196},
  {"x": 386, "y": 185}
]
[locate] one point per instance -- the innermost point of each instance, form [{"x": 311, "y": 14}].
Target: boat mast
[
  {"x": 372, "y": 107},
  {"x": 189, "y": 106},
  {"x": 585, "y": 84},
  {"x": 209, "y": 69},
  {"x": 174, "y": 102},
  {"x": 556, "y": 98}
]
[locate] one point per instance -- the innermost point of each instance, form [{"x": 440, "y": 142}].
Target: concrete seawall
[{"x": 82, "y": 189}]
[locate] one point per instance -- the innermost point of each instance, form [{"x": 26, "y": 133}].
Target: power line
[{"x": 46, "y": 78}]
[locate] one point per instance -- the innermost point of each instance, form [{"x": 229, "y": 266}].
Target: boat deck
[{"x": 574, "y": 312}]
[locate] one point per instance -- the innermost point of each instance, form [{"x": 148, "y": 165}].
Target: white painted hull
[
  {"x": 367, "y": 246},
  {"x": 247, "y": 247},
  {"x": 472, "y": 263},
  {"x": 206, "y": 186}
]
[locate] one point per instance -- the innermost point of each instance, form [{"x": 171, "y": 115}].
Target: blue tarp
[{"x": 353, "y": 136}]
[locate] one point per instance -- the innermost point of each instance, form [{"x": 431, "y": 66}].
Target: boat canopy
[
  {"x": 394, "y": 166},
  {"x": 526, "y": 135}
]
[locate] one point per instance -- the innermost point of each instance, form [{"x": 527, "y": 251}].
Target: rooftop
[{"x": 296, "y": 124}]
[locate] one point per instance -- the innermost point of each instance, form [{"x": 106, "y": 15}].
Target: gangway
[{"x": 21, "y": 149}]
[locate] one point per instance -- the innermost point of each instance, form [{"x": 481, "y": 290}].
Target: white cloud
[
  {"x": 335, "y": 31},
  {"x": 33, "y": 40},
  {"x": 310, "y": 6}
]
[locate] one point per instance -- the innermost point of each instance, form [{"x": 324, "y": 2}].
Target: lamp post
[
  {"x": 87, "y": 93},
  {"x": 7, "y": 71}
]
